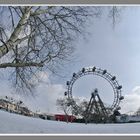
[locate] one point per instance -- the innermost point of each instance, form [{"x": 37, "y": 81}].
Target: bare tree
[
  {"x": 64, "y": 105},
  {"x": 74, "y": 106},
  {"x": 83, "y": 105},
  {"x": 115, "y": 14},
  {"x": 137, "y": 112},
  {"x": 39, "y": 38}
]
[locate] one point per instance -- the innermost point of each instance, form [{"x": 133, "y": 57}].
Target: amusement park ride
[{"x": 96, "y": 111}]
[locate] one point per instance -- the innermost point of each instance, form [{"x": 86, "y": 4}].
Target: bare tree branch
[
  {"x": 40, "y": 37},
  {"x": 4, "y": 49},
  {"x": 31, "y": 64}
]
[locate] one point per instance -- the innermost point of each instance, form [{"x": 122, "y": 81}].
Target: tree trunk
[{"x": 12, "y": 42}]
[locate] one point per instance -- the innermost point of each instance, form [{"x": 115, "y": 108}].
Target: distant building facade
[
  {"x": 128, "y": 118},
  {"x": 11, "y": 105}
]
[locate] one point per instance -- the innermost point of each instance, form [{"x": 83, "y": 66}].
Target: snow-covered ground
[{"x": 17, "y": 124}]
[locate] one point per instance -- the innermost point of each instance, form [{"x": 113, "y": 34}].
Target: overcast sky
[{"x": 117, "y": 50}]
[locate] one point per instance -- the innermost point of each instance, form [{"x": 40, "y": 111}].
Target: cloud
[
  {"x": 45, "y": 101},
  {"x": 132, "y": 101},
  {"x": 45, "y": 96}
]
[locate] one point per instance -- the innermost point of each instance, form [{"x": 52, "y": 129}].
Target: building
[
  {"x": 128, "y": 118},
  {"x": 11, "y": 105},
  {"x": 61, "y": 117},
  {"x": 7, "y": 105},
  {"x": 25, "y": 111}
]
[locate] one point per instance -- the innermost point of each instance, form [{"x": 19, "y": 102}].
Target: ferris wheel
[{"x": 101, "y": 73}]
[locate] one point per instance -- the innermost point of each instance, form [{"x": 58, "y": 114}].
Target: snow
[{"x": 18, "y": 124}]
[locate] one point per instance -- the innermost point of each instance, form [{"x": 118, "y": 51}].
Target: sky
[{"x": 115, "y": 49}]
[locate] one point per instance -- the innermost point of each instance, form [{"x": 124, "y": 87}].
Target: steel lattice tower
[{"x": 96, "y": 111}]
